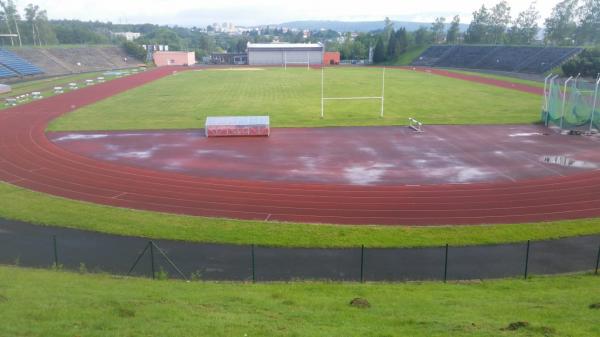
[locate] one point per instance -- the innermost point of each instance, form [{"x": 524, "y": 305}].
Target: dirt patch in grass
[
  {"x": 516, "y": 325},
  {"x": 360, "y": 303}
]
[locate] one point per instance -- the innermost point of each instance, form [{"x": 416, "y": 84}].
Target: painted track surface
[
  {"x": 378, "y": 155},
  {"x": 28, "y": 159}
]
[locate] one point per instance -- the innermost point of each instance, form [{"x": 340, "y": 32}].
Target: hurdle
[
  {"x": 100, "y": 79},
  {"x": 58, "y": 90},
  {"x": 11, "y": 101},
  {"x": 73, "y": 86},
  {"x": 323, "y": 98},
  {"x": 415, "y": 125},
  {"x": 89, "y": 82},
  {"x": 36, "y": 95}
]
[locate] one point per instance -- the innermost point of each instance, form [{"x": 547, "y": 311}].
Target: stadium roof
[{"x": 284, "y": 45}]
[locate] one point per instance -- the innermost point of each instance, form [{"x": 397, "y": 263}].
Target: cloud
[{"x": 253, "y": 12}]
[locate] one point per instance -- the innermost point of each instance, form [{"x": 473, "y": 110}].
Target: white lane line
[{"x": 119, "y": 195}]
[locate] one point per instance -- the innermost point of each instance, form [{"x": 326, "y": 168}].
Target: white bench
[{"x": 235, "y": 126}]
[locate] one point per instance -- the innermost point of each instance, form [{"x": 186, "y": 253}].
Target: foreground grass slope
[
  {"x": 292, "y": 98},
  {"x": 22, "y": 204},
  {"x": 49, "y": 303}
]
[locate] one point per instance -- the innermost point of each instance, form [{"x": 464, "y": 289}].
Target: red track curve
[{"x": 28, "y": 159}]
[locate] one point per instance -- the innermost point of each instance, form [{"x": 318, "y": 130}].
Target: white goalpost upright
[
  {"x": 323, "y": 98},
  {"x": 286, "y": 62}
]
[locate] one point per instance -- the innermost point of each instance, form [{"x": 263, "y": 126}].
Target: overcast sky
[{"x": 254, "y": 12}]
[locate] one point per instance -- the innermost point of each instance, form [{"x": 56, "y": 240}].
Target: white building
[
  {"x": 129, "y": 36},
  {"x": 285, "y": 53}
]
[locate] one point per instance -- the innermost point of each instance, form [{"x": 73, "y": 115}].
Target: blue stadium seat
[
  {"x": 6, "y": 73},
  {"x": 526, "y": 59},
  {"x": 17, "y": 64}
]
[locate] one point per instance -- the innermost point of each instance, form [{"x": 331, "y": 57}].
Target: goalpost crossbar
[
  {"x": 346, "y": 98},
  {"x": 323, "y": 98},
  {"x": 286, "y": 62}
]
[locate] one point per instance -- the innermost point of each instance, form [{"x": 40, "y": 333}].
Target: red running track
[{"x": 28, "y": 159}]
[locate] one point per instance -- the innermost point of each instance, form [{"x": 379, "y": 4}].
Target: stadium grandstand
[
  {"x": 12, "y": 65},
  {"x": 18, "y": 63},
  {"x": 523, "y": 59}
]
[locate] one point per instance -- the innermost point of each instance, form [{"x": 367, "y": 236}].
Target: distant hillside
[{"x": 356, "y": 26}]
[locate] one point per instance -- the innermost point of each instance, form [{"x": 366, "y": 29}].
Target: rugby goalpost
[
  {"x": 323, "y": 98},
  {"x": 286, "y": 62}
]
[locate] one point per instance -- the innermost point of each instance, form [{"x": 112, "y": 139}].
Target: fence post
[
  {"x": 253, "y": 266},
  {"x": 55, "y": 251},
  {"x": 151, "y": 244},
  {"x": 446, "y": 265},
  {"x": 362, "y": 263},
  {"x": 597, "y": 261},
  {"x": 527, "y": 259},
  {"x": 562, "y": 117},
  {"x": 594, "y": 105},
  {"x": 161, "y": 252}
]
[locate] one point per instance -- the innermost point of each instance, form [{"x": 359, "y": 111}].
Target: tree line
[{"x": 572, "y": 22}]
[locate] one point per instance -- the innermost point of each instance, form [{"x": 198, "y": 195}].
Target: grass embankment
[
  {"x": 46, "y": 86},
  {"x": 292, "y": 98},
  {"x": 500, "y": 77},
  {"x": 25, "y": 205},
  {"x": 50, "y": 303},
  {"x": 407, "y": 57}
]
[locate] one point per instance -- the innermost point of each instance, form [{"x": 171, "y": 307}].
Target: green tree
[
  {"x": 423, "y": 36},
  {"x": 392, "y": 50},
  {"x": 588, "y": 31},
  {"x": 478, "y": 31},
  {"x": 38, "y": 20},
  {"x": 499, "y": 21},
  {"x": 587, "y": 63},
  {"x": 402, "y": 41},
  {"x": 134, "y": 50},
  {"x": 379, "y": 52},
  {"x": 561, "y": 25},
  {"x": 388, "y": 29},
  {"x": 525, "y": 27},
  {"x": 454, "y": 30},
  {"x": 438, "y": 28},
  {"x": 11, "y": 14}
]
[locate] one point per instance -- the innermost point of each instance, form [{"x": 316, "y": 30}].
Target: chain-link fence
[{"x": 39, "y": 246}]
